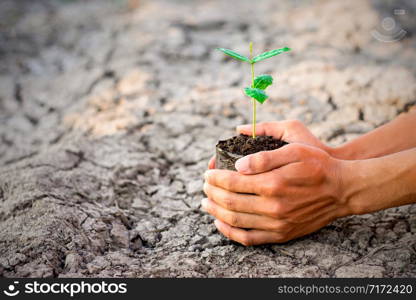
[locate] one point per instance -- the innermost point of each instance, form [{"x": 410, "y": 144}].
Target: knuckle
[
  {"x": 282, "y": 228},
  {"x": 260, "y": 161},
  {"x": 229, "y": 203},
  {"x": 228, "y": 181},
  {"x": 233, "y": 219},
  {"x": 271, "y": 188},
  {"x": 265, "y": 189},
  {"x": 276, "y": 210}
]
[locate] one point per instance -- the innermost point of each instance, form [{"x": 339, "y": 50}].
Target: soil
[{"x": 245, "y": 144}]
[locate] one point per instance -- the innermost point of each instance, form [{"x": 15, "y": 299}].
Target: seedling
[{"x": 258, "y": 85}]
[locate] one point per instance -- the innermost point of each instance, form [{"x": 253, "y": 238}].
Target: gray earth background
[{"x": 110, "y": 111}]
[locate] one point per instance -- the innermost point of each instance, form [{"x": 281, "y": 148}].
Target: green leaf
[
  {"x": 263, "y": 81},
  {"x": 269, "y": 54},
  {"x": 257, "y": 94},
  {"x": 234, "y": 54}
]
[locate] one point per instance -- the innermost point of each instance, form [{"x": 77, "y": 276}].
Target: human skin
[{"x": 286, "y": 193}]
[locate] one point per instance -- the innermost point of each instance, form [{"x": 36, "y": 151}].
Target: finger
[
  {"x": 211, "y": 164},
  {"x": 268, "y": 184},
  {"x": 230, "y": 180},
  {"x": 242, "y": 220},
  {"x": 264, "y": 161},
  {"x": 248, "y": 237},
  {"x": 234, "y": 182},
  {"x": 244, "y": 203},
  {"x": 275, "y": 129}
]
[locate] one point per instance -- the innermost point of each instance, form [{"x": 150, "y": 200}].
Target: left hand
[{"x": 278, "y": 195}]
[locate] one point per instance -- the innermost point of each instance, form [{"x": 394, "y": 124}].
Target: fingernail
[
  {"x": 217, "y": 223},
  {"x": 243, "y": 165},
  {"x": 204, "y": 204},
  {"x": 207, "y": 174}
]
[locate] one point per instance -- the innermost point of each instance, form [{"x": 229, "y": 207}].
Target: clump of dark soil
[{"x": 245, "y": 145}]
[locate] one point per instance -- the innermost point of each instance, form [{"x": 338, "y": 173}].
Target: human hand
[
  {"x": 278, "y": 195},
  {"x": 211, "y": 164}
]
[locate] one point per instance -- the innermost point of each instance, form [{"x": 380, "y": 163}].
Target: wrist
[
  {"x": 375, "y": 184},
  {"x": 341, "y": 152},
  {"x": 354, "y": 181}
]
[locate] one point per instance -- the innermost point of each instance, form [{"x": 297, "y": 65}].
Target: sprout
[{"x": 261, "y": 82}]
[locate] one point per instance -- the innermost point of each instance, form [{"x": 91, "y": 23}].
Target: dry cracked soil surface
[{"x": 109, "y": 114}]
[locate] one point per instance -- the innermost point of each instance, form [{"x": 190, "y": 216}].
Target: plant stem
[{"x": 252, "y": 85}]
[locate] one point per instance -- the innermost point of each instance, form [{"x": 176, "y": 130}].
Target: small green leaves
[
  {"x": 260, "y": 83},
  {"x": 269, "y": 54},
  {"x": 234, "y": 55},
  {"x": 257, "y": 94},
  {"x": 257, "y": 58},
  {"x": 263, "y": 81}
]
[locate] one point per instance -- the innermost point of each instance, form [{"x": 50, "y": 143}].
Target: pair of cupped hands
[{"x": 276, "y": 196}]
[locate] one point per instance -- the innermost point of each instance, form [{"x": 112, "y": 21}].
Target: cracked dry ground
[{"x": 109, "y": 116}]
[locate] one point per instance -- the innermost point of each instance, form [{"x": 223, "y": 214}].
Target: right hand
[
  {"x": 279, "y": 195},
  {"x": 291, "y": 131}
]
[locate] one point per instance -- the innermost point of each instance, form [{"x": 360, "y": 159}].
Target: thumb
[{"x": 265, "y": 161}]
